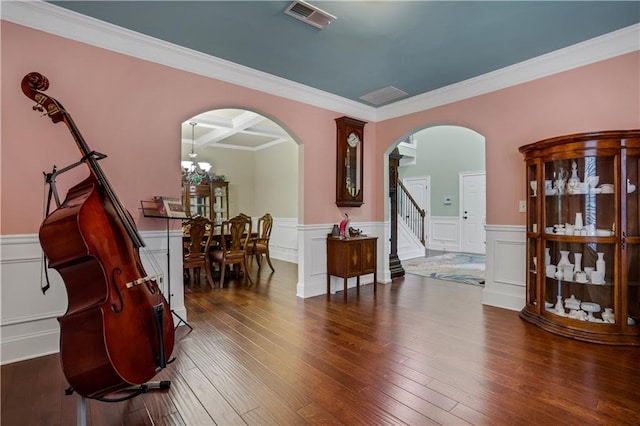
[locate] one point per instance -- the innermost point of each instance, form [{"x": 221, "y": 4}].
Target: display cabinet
[
  {"x": 220, "y": 192},
  {"x": 583, "y": 236},
  {"x": 209, "y": 200},
  {"x": 351, "y": 257}
]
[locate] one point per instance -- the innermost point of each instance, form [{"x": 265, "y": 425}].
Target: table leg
[
  {"x": 345, "y": 289},
  {"x": 328, "y": 286}
]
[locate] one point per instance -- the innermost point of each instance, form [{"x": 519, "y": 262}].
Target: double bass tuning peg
[{"x": 37, "y": 107}]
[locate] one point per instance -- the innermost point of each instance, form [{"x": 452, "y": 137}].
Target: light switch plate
[{"x": 523, "y": 206}]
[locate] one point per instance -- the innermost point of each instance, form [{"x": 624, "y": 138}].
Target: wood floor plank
[
  {"x": 419, "y": 351},
  {"x": 208, "y": 407}
]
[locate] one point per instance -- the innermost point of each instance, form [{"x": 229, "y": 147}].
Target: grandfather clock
[
  {"x": 349, "y": 166},
  {"x": 395, "y": 266}
]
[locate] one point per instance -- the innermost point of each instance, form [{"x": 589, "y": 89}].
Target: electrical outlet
[{"x": 522, "y": 206}]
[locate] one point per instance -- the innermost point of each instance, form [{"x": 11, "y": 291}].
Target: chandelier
[{"x": 193, "y": 171}]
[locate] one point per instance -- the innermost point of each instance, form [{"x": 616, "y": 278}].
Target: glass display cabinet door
[
  {"x": 534, "y": 263},
  {"x": 631, "y": 241},
  {"x": 579, "y": 227},
  {"x": 200, "y": 200}
]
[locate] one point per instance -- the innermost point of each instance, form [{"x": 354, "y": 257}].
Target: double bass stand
[{"x": 81, "y": 410}]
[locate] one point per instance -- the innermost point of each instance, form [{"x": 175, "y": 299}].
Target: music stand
[{"x": 152, "y": 209}]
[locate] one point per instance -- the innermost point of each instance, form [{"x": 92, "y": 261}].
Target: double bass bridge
[{"x": 139, "y": 281}]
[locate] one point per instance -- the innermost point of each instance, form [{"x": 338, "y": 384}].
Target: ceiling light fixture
[{"x": 192, "y": 171}]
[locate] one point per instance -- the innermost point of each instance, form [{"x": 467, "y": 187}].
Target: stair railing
[{"x": 411, "y": 212}]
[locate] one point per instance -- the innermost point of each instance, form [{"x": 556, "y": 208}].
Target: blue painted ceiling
[{"x": 415, "y": 46}]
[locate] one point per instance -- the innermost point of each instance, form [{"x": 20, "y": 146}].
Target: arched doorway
[
  {"x": 259, "y": 162},
  {"x": 444, "y": 157}
]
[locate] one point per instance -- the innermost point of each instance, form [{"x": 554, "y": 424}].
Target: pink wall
[
  {"x": 601, "y": 96},
  {"x": 131, "y": 110}
]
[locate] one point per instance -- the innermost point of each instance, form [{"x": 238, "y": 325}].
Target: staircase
[
  {"x": 411, "y": 232},
  {"x": 410, "y": 212}
]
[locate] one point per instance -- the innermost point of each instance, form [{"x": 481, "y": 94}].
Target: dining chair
[
  {"x": 247, "y": 247},
  {"x": 196, "y": 248},
  {"x": 234, "y": 237},
  {"x": 260, "y": 243}
]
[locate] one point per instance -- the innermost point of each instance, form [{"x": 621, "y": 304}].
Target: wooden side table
[{"x": 351, "y": 257}]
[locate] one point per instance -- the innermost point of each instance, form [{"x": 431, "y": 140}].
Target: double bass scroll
[{"x": 114, "y": 335}]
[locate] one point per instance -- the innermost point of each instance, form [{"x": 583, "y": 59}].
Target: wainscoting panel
[
  {"x": 505, "y": 284},
  {"x": 284, "y": 239},
  {"x": 444, "y": 233},
  {"x": 28, "y": 323}
]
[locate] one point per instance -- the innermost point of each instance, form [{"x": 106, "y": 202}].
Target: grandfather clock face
[{"x": 349, "y": 166}]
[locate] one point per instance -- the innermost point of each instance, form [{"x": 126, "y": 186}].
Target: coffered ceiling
[{"x": 232, "y": 128}]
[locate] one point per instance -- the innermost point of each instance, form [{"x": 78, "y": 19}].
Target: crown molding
[
  {"x": 56, "y": 20},
  {"x": 616, "y": 43}
]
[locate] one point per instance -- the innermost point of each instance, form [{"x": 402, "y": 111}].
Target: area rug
[{"x": 461, "y": 267}]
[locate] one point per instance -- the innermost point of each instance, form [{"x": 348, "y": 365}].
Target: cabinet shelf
[
  {"x": 580, "y": 239},
  {"x": 570, "y": 166},
  {"x": 575, "y": 194}
]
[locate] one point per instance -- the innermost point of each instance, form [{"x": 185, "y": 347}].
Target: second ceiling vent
[{"x": 309, "y": 14}]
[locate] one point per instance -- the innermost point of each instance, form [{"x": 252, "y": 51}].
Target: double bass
[{"x": 117, "y": 331}]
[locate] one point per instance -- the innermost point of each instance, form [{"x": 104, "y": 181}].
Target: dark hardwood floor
[{"x": 421, "y": 352}]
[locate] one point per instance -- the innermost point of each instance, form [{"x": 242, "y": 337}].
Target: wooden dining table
[
  {"x": 215, "y": 237},
  {"x": 215, "y": 244}
]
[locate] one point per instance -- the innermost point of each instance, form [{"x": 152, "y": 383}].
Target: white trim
[
  {"x": 62, "y": 22},
  {"x": 444, "y": 233},
  {"x": 505, "y": 285},
  {"x": 284, "y": 239},
  {"x": 408, "y": 245}
]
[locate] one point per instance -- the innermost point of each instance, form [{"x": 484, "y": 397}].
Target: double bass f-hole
[{"x": 114, "y": 282}]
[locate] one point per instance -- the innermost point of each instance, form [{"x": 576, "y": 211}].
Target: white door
[
  {"x": 473, "y": 212},
  {"x": 420, "y": 190}
]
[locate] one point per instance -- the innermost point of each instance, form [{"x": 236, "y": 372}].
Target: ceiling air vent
[
  {"x": 384, "y": 95},
  {"x": 309, "y": 14}
]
